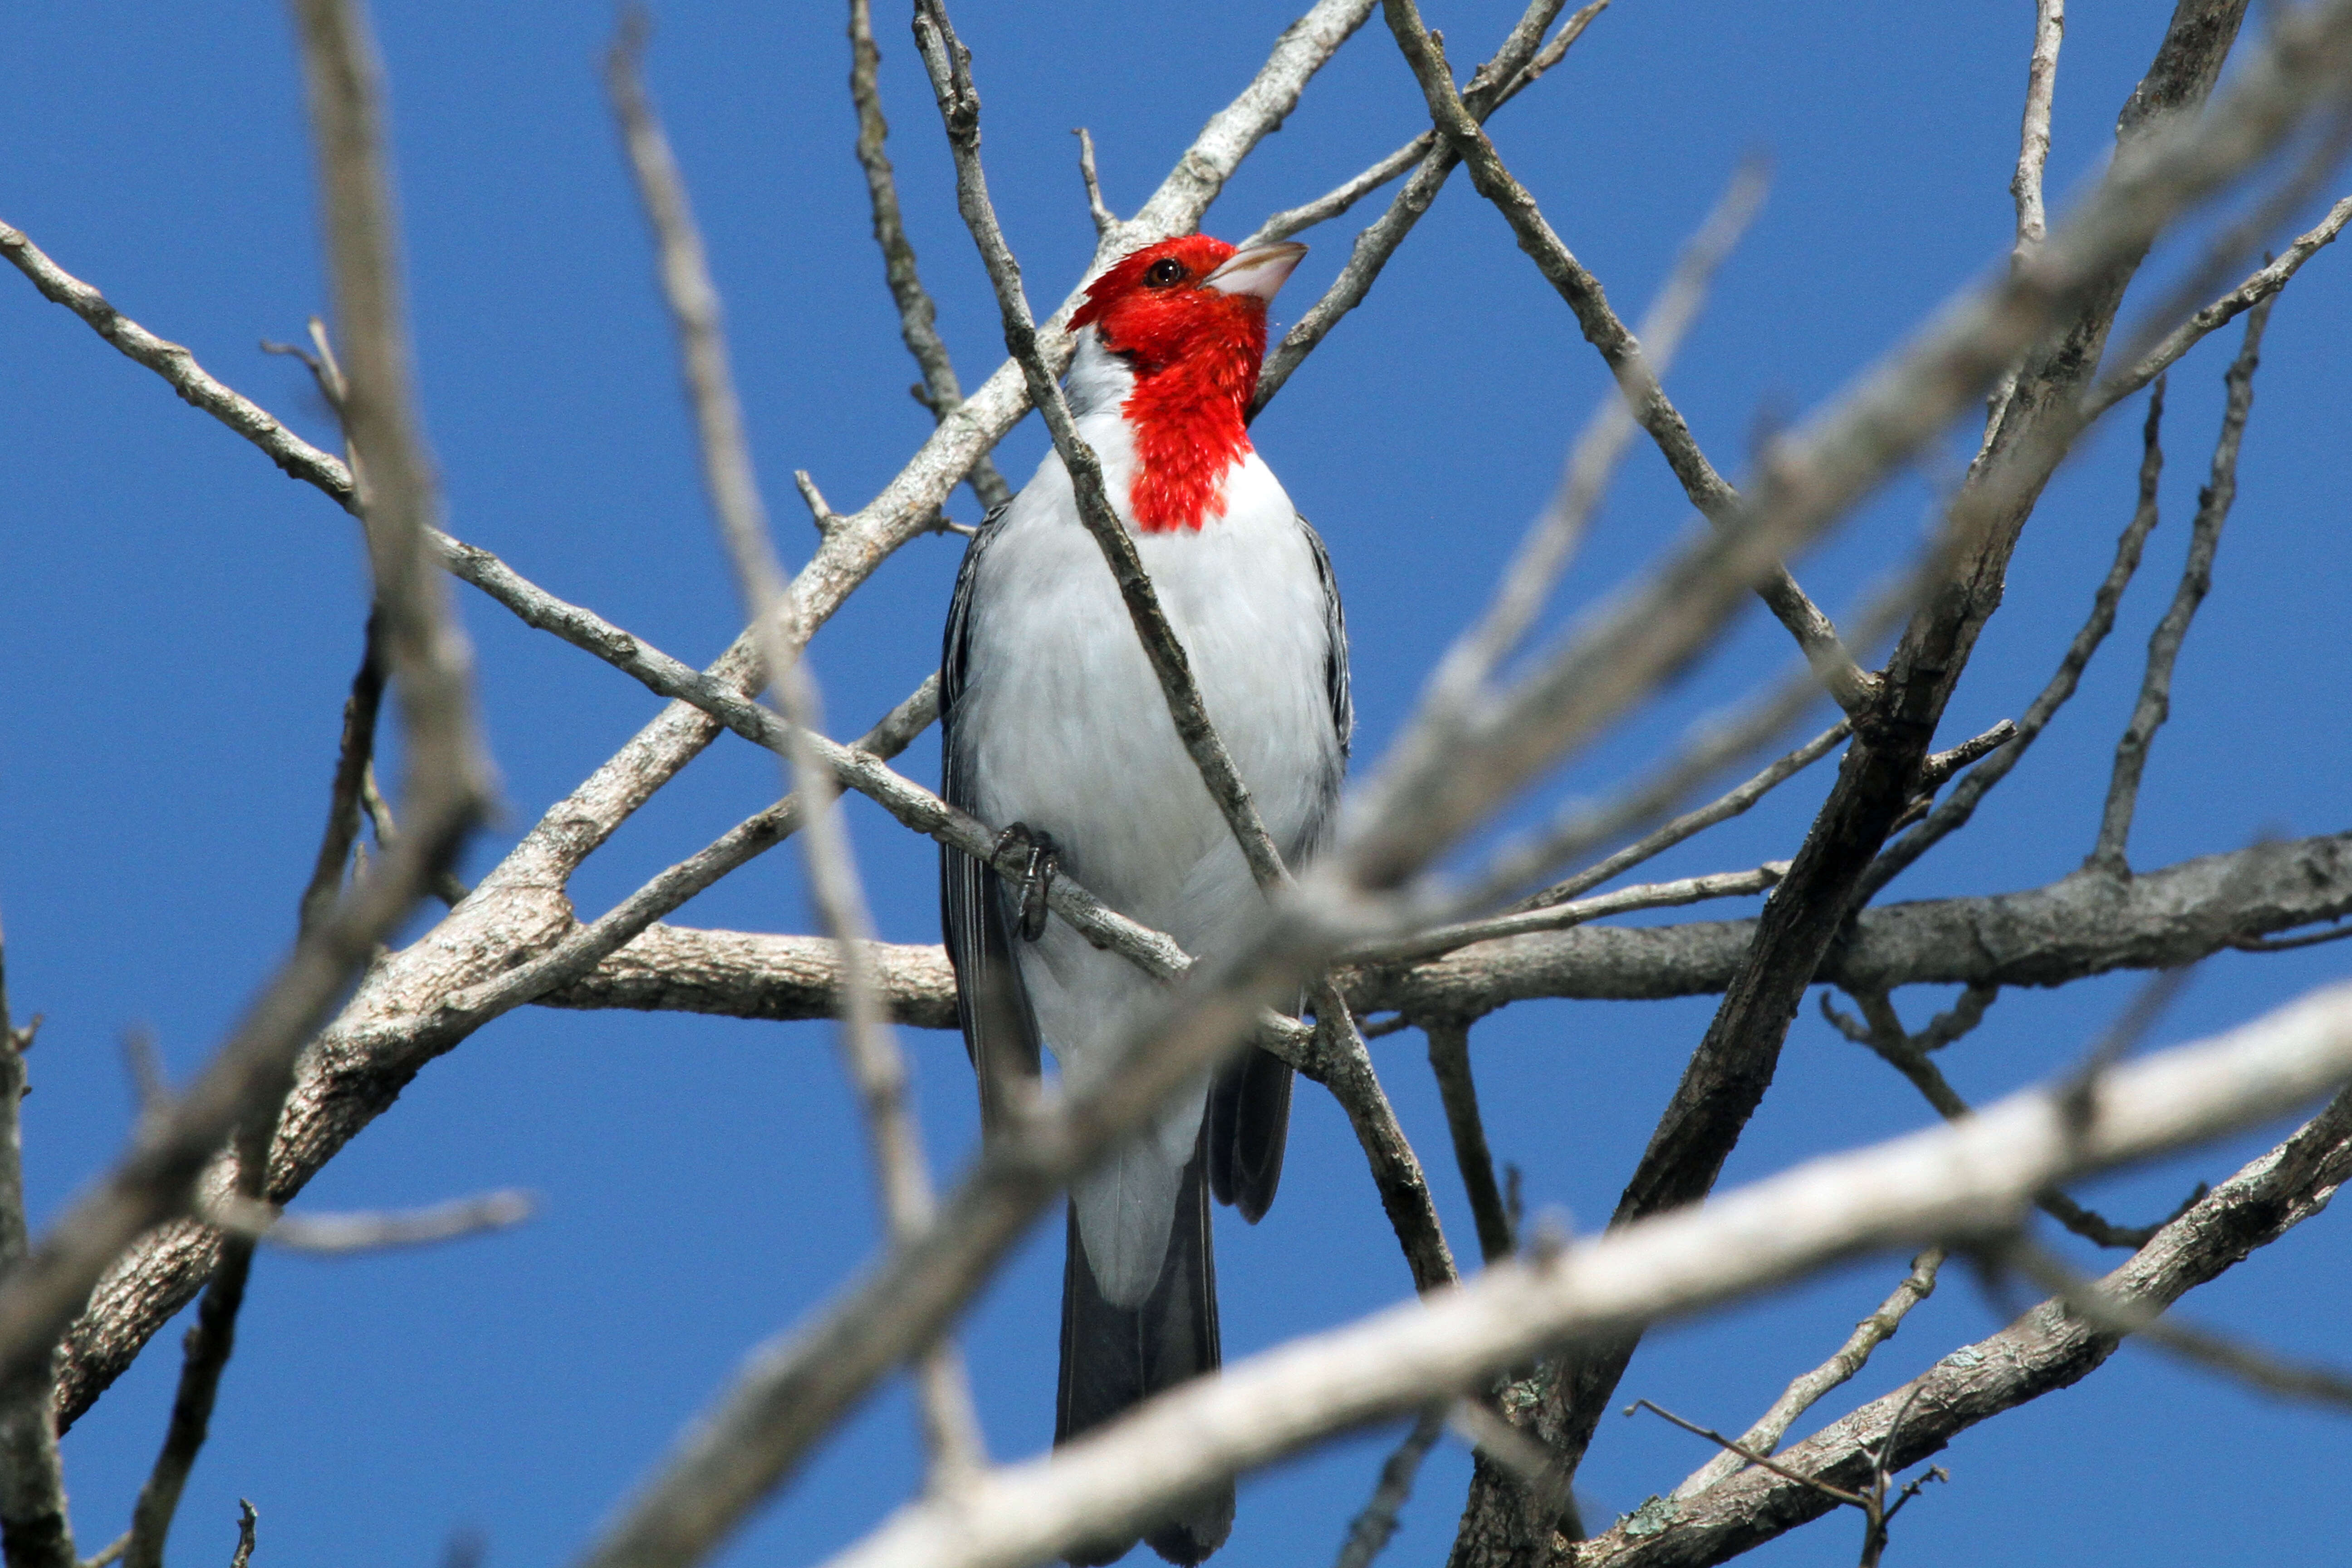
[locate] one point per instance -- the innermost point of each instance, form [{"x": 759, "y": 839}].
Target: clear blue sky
[{"x": 178, "y": 623}]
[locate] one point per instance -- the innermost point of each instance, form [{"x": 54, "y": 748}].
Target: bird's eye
[{"x": 1163, "y": 272}]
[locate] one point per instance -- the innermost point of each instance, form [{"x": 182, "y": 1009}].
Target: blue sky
[{"x": 178, "y": 623}]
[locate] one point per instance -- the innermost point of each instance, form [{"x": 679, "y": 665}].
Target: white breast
[{"x": 1062, "y": 726}]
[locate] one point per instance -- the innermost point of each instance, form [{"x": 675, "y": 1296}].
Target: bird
[{"x": 1055, "y": 727}]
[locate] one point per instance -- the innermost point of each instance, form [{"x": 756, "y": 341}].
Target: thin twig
[
  {"x": 339, "y": 1235},
  {"x": 247, "y": 1516},
  {"x": 1723, "y": 807},
  {"x": 2262, "y": 285},
  {"x": 1446, "y": 939},
  {"x": 1806, "y": 1390},
  {"x": 36, "y": 1529},
  {"x": 2032, "y": 154},
  {"x": 1449, "y": 1059},
  {"x": 1371, "y": 1530},
  {"x": 2196, "y": 576},
  {"x": 352, "y": 772},
  {"x": 1959, "y": 806},
  {"x": 876, "y": 1065},
  {"x": 2288, "y": 943},
  {"x": 447, "y": 886},
  {"x": 1746, "y": 1455},
  {"x": 1105, "y": 219},
  {"x": 918, "y": 316},
  {"x": 205, "y": 1357}
]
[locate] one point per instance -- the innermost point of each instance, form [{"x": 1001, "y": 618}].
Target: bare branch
[
  {"x": 2033, "y": 136},
  {"x": 36, "y": 1529},
  {"x": 1748, "y": 1456},
  {"x": 352, "y": 773},
  {"x": 205, "y": 1358},
  {"x": 2043, "y": 936},
  {"x": 1809, "y": 1389},
  {"x": 247, "y": 1518},
  {"x": 1449, "y": 1059},
  {"x": 1949, "y": 1180},
  {"x": 1561, "y": 917},
  {"x": 1464, "y": 674},
  {"x": 2264, "y": 284},
  {"x": 1346, "y": 1070},
  {"x": 1908, "y": 1054},
  {"x": 2048, "y": 1348},
  {"x": 2242, "y": 1363},
  {"x": 584, "y": 947},
  {"x": 1723, "y": 808},
  {"x": 720, "y": 698},
  {"x": 1340, "y": 197},
  {"x": 2196, "y": 576},
  {"x": 876, "y": 1065},
  {"x": 940, "y": 392},
  {"x": 1370, "y": 1530},
  {"x": 1105, "y": 219},
  {"x": 339, "y": 1235},
  {"x": 1961, "y": 804}
]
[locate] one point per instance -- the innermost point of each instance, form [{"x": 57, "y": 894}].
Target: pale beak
[{"x": 1260, "y": 271}]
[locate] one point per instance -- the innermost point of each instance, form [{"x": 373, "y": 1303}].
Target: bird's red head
[{"x": 1189, "y": 317}]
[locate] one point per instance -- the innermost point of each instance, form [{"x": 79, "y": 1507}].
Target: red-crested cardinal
[{"x": 1052, "y": 721}]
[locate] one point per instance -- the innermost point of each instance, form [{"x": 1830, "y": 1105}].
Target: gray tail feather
[
  {"x": 1249, "y": 1122},
  {"x": 1113, "y": 1358}
]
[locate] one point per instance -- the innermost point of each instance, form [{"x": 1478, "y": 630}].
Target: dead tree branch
[
  {"x": 939, "y": 391},
  {"x": 1951, "y": 1180},
  {"x": 2048, "y": 1348},
  {"x": 2155, "y": 703}
]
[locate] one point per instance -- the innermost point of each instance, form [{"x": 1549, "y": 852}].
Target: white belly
[{"x": 1062, "y": 726}]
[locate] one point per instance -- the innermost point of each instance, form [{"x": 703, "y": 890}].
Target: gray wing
[
  {"x": 1249, "y": 1103},
  {"x": 1335, "y": 684},
  {"x": 1000, "y": 1029}
]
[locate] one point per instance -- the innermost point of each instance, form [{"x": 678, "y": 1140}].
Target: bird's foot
[{"x": 1040, "y": 861}]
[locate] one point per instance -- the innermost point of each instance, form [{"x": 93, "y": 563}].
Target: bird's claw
[{"x": 1041, "y": 859}]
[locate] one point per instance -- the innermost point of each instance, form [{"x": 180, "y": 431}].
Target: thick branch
[
  {"x": 2077, "y": 927},
  {"x": 1948, "y": 1181},
  {"x": 2047, "y": 1349}
]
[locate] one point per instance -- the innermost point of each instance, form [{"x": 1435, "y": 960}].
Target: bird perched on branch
[{"x": 1054, "y": 726}]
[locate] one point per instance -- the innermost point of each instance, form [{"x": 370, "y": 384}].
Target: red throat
[{"x": 1195, "y": 354}]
